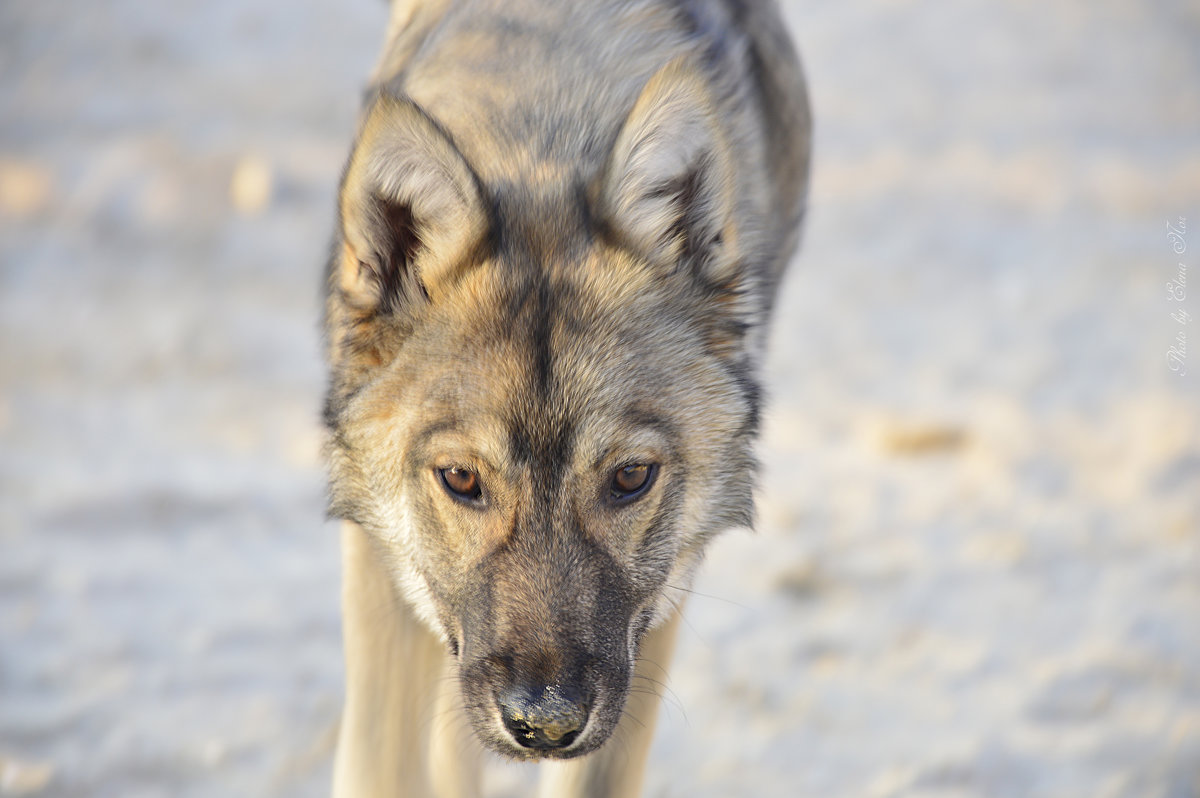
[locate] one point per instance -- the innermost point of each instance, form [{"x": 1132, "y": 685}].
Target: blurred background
[{"x": 977, "y": 568}]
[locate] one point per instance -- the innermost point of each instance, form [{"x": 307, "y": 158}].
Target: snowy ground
[{"x": 977, "y": 571}]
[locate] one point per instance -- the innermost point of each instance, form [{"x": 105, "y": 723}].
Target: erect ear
[
  {"x": 668, "y": 188},
  {"x": 411, "y": 213}
]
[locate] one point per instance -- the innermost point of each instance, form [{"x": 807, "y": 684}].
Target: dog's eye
[
  {"x": 631, "y": 481},
  {"x": 462, "y": 483}
]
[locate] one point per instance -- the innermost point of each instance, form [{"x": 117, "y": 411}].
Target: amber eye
[
  {"x": 461, "y": 483},
  {"x": 631, "y": 481}
]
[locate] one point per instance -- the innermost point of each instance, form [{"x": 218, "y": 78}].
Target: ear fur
[
  {"x": 411, "y": 211},
  {"x": 668, "y": 189}
]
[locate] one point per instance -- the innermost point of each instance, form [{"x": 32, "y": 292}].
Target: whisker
[{"x": 722, "y": 599}]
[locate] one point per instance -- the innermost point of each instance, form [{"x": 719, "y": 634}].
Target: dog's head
[{"x": 542, "y": 400}]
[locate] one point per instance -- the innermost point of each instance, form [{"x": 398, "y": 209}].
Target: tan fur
[
  {"x": 560, "y": 234},
  {"x": 402, "y": 731}
]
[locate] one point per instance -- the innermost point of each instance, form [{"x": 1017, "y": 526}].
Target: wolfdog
[{"x": 561, "y": 228}]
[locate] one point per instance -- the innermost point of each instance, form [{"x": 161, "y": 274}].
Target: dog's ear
[
  {"x": 668, "y": 189},
  {"x": 411, "y": 212}
]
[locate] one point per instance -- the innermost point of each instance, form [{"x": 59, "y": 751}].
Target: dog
[{"x": 560, "y": 232}]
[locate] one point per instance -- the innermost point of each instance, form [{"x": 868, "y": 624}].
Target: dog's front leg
[
  {"x": 402, "y": 734},
  {"x": 615, "y": 771}
]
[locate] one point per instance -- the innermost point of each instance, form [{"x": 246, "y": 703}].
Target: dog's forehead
[{"x": 554, "y": 356}]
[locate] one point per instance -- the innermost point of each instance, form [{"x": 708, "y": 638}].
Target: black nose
[{"x": 544, "y": 718}]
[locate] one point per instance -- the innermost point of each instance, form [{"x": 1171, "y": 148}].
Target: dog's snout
[{"x": 543, "y": 718}]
